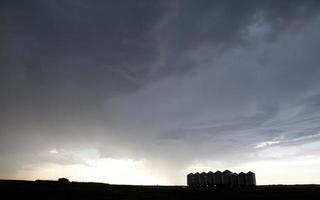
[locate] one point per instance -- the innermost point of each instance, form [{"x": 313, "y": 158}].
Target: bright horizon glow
[
  {"x": 112, "y": 171},
  {"x": 116, "y": 171},
  {"x": 275, "y": 166},
  {"x": 273, "y": 170}
]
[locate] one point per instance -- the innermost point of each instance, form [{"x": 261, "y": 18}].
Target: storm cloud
[{"x": 175, "y": 84}]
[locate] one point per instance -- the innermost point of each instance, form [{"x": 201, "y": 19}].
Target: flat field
[{"x": 13, "y": 189}]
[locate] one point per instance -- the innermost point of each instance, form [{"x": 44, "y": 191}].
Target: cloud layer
[{"x": 173, "y": 84}]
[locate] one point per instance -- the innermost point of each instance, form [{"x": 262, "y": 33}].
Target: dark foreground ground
[{"x": 74, "y": 190}]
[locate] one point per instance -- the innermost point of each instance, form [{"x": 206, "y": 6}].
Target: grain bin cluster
[{"x": 221, "y": 179}]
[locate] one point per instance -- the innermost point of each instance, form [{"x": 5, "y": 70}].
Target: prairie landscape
[{"x": 14, "y": 189}]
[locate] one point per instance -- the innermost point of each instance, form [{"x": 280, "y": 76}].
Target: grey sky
[{"x": 172, "y": 83}]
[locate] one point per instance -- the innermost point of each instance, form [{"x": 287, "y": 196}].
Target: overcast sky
[{"x": 144, "y": 92}]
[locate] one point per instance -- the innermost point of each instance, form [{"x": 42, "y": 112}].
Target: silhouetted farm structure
[{"x": 221, "y": 179}]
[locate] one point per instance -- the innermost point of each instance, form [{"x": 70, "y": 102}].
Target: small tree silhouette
[{"x": 63, "y": 181}]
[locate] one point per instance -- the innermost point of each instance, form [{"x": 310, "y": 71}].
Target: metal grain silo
[
  {"x": 203, "y": 179},
  {"x": 190, "y": 179},
  {"x": 250, "y": 179},
  {"x": 234, "y": 180},
  {"x": 226, "y": 177},
  {"x": 242, "y": 179},
  {"x": 197, "y": 179},
  {"x": 210, "y": 179},
  {"x": 218, "y": 178}
]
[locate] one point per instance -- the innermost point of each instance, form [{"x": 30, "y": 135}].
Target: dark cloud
[
  {"x": 224, "y": 25},
  {"x": 166, "y": 81}
]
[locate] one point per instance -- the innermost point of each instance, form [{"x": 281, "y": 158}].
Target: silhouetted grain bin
[
  {"x": 218, "y": 178},
  {"x": 225, "y": 178},
  {"x": 250, "y": 179},
  {"x": 234, "y": 180},
  {"x": 210, "y": 179},
  {"x": 190, "y": 179},
  {"x": 203, "y": 179},
  {"x": 242, "y": 179},
  {"x": 214, "y": 179},
  {"x": 197, "y": 179}
]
